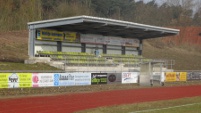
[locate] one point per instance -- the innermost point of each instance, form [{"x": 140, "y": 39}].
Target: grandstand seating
[{"x": 87, "y": 59}]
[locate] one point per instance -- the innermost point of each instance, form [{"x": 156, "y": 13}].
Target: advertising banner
[
  {"x": 43, "y": 79},
  {"x": 170, "y": 77},
  {"x": 193, "y": 75},
  {"x": 64, "y": 79},
  {"x": 98, "y": 78},
  {"x": 20, "y": 80},
  {"x": 4, "y": 78},
  {"x": 108, "y": 40},
  {"x": 71, "y": 37},
  {"x": 130, "y": 77},
  {"x": 25, "y": 79},
  {"x": 113, "y": 78},
  {"x": 175, "y": 76},
  {"x": 90, "y": 38},
  {"x": 131, "y": 42},
  {"x": 82, "y": 78},
  {"x": 182, "y": 76},
  {"x": 45, "y": 34}
]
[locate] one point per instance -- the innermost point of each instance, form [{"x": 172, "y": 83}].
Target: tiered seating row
[
  {"x": 79, "y": 58},
  {"x": 64, "y": 53}
]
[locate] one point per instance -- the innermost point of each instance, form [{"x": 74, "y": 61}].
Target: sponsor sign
[
  {"x": 130, "y": 77},
  {"x": 49, "y": 35},
  {"x": 19, "y": 80},
  {"x": 131, "y": 42},
  {"x": 175, "y": 76},
  {"x": 25, "y": 79},
  {"x": 91, "y": 38},
  {"x": 71, "y": 37},
  {"x": 82, "y": 78},
  {"x": 113, "y": 78},
  {"x": 98, "y": 78},
  {"x": 64, "y": 79},
  {"x": 108, "y": 40},
  {"x": 193, "y": 75},
  {"x": 42, "y": 79},
  {"x": 182, "y": 76},
  {"x": 170, "y": 77},
  {"x": 4, "y": 80}
]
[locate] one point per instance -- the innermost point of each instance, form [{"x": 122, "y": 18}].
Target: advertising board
[
  {"x": 108, "y": 40},
  {"x": 130, "y": 77},
  {"x": 51, "y": 35},
  {"x": 113, "y": 78},
  {"x": 98, "y": 78},
  {"x": 82, "y": 78},
  {"x": 170, "y": 77},
  {"x": 4, "y": 78},
  {"x": 42, "y": 79},
  {"x": 194, "y": 75},
  {"x": 71, "y": 37},
  {"x": 64, "y": 79}
]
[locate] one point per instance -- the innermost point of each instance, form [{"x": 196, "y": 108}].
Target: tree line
[{"x": 16, "y": 13}]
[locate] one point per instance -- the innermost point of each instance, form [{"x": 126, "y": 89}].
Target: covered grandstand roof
[{"x": 104, "y": 26}]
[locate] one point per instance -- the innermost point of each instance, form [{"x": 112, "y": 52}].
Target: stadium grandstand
[{"x": 90, "y": 44}]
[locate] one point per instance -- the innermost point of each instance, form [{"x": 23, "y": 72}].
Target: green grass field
[
  {"x": 184, "y": 105},
  {"x": 21, "y": 66}
]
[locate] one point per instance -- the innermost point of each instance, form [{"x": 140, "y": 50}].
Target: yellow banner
[
  {"x": 50, "y": 35},
  {"x": 4, "y": 78},
  {"x": 25, "y": 79},
  {"x": 183, "y": 76},
  {"x": 170, "y": 76},
  {"x": 71, "y": 37}
]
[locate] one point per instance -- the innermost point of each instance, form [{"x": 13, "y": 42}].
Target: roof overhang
[{"x": 104, "y": 26}]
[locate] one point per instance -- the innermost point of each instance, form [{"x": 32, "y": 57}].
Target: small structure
[{"x": 146, "y": 73}]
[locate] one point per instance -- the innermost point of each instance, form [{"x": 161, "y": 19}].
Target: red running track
[{"x": 75, "y": 102}]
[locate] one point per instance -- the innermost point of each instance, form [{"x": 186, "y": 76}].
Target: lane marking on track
[{"x": 149, "y": 110}]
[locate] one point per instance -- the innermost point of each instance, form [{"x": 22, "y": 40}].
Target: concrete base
[{"x": 34, "y": 60}]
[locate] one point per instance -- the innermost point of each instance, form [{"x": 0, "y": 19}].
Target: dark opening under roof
[{"x": 103, "y": 26}]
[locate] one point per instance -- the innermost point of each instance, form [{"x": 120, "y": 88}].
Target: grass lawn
[
  {"x": 21, "y": 66},
  {"x": 184, "y": 105}
]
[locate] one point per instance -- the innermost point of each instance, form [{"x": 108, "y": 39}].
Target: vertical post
[
  {"x": 31, "y": 41},
  {"x": 161, "y": 69},
  {"x": 83, "y": 47},
  {"x": 65, "y": 64},
  {"x": 59, "y": 46},
  {"x": 123, "y": 50},
  {"x": 140, "y": 47},
  {"x": 104, "y": 49}
]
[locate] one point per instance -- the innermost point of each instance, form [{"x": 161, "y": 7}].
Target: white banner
[
  {"x": 82, "y": 78},
  {"x": 108, "y": 40},
  {"x": 42, "y": 79},
  {"x": 131, "y": 42},
  {"x": 91, "y": 38},
  {"x": 72, "y": 79},
  {"x": 130, "y": 77},
  {"x": 64, "y": 79}
]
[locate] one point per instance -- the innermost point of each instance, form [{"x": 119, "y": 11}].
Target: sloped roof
[{"x": 104, "y": 26}]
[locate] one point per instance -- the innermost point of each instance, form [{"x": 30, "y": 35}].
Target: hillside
[{"x": 14, "y": 47}]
